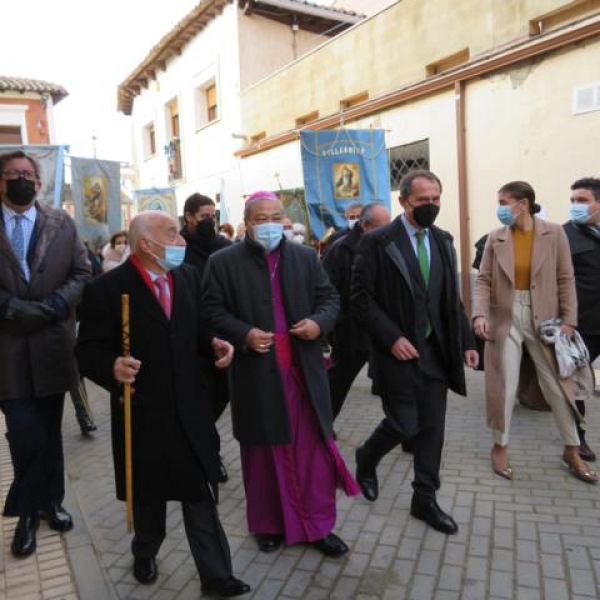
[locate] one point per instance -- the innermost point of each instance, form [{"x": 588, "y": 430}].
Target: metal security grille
[{"x": 407, "y": 158}]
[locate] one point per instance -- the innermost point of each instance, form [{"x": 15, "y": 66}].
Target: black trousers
[
  {"x": 346, "y": 365},
  {"x": 204, "y": 532},
  {"x": 593, "y": 345},
  {"x": 415, "y": 411},
  {"x": 35, "y": 440}
]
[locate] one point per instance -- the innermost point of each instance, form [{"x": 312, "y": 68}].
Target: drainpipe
[
  {"x": 463, "y": 201},
  {"x": 295, "y": 29}
]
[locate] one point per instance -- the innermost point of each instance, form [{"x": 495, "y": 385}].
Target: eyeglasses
[{"x": 17, "y": 173}]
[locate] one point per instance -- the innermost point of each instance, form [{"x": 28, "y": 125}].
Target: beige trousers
[{"x": 522, "y": 332}]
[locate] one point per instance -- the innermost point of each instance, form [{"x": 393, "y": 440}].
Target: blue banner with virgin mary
[{"x": 343, "y": 167}]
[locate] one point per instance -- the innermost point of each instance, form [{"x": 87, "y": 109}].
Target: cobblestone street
[{"x": 537, "y": 537}]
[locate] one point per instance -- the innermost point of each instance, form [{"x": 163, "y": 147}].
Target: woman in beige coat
[{"x": 526, "y": 277}]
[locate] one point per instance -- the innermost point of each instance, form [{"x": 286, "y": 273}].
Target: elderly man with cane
[{"x": 174, "y": 451}]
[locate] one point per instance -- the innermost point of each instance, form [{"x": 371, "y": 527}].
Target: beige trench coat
[{"x": 552, "y": 295}]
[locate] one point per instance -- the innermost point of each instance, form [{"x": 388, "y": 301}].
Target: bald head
[
  {"x": 149, "y": 233},
  {"x": 373, "y": 216}
]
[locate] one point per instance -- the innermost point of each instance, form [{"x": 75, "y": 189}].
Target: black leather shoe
[
  {"x": 23, "y": 543},
  {"x": 366, "y": 476},
  {"x": 586, "y": 453},
  {"x": 58, "y": 518},
  {"x": 331, "y": 545},
  {"x": 408, "y": 446},
  {"x": 223, "y": 476},
  {"x": 268, "y": 542},
  {"x": 144, "y": 569},
  {"x": 86, "y": 425},
  {"x": 226, "y": 588},
  {"x": 428, "y": 510}
]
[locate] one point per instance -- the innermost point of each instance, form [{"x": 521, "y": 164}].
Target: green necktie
[
  {"x": 422, "y": 256},
  {"x": 424, "y": 265}
]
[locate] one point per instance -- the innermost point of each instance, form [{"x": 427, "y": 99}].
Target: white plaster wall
[{"x": 208, "y": 152}]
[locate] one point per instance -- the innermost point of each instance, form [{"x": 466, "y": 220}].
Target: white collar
[{"x": 8, "y": 213}]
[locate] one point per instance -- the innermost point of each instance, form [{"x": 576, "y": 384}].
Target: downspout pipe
[{"x": 463, "y": 199}]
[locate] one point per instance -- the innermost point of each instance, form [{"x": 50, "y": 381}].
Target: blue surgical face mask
[
  {"x": 268, "y": 235},
  {"x": 174, "y": 256},
  {"x": 580, "y": 213},
  {"x": 505, "y": 215}
]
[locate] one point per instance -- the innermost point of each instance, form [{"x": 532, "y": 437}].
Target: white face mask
[
  {"x": 352, "y": 223},
  {"x": 289, "y": 233}
]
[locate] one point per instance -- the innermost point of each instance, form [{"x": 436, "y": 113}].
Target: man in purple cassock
[{"x": 273, "y": 301}]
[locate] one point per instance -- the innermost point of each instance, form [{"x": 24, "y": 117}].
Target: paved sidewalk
[{"x": 537, "y": 537}]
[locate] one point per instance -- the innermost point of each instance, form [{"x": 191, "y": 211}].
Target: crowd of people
[{"x": 219, "y": 317}]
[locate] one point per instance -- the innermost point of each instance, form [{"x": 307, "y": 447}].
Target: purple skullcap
[{"x": 262, "y": 195}]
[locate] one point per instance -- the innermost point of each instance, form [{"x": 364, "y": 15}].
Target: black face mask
[
  {"x": 20, "y": 191},
  {"x": 425, "y": 214},
  {"x": 205, "y": 227}
]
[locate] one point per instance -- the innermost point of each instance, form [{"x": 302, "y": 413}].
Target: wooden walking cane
[{"x": 127, "y": 415}]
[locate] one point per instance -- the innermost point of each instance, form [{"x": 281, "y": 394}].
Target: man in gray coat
[{"x": 43, "y": 270}]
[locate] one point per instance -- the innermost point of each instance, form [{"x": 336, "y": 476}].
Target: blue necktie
[{"x": 18, "y": 239}]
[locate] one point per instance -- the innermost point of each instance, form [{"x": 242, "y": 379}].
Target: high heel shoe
[
  {"x": 579, "y": 469},
  {"x": 500, "y": 465}
]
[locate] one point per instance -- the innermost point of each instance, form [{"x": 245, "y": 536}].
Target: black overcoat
[
  {"x": 585, "y": 253},
  {"x": 237, "y": 296},
  {"x": 173, "y": 434},
  {"x": 383, "y": 303},
  {"x": 338, "y": 263}
]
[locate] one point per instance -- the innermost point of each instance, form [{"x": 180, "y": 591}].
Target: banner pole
[{"x": 127, "y": 416}]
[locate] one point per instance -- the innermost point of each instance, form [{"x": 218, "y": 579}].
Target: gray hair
[
  {"x": 366, "y": 213},
  {"x": 351, "y": 206},
  {"x": 253, "y": 201}
]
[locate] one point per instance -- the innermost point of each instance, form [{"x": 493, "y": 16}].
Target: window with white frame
[{"x": 207, "y": 103}]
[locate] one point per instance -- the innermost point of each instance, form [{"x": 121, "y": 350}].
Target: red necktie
[{"x": 163, "y": 298}]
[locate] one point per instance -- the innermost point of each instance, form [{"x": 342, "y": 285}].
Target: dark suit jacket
[
  {"x": 174, "y": 439},
  {"x": 237, "y": 295},
  {"x": 384, "y": 301}
]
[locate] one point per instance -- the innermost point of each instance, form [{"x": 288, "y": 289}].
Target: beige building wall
[
  {"x": 266, "y": 45},
  {"x": 385, "y": 52},
  {"x": 362, "y": 7},
  {"x": 520, "y": 125}
]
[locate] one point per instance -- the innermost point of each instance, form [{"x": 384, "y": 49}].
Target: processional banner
[
  {"x": 96, "y": 194},
  {"x": 343, "y": 167},
  {"x": 156, "y": 199}
]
